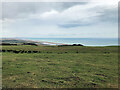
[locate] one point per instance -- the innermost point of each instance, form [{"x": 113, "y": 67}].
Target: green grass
[{"x": 60, "y": 67}]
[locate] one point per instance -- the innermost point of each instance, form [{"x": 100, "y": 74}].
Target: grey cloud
[
  {"x": 109, "y": 15},
  {"x": 14, "y": 10},
  {"x": 105, "y": 15},
  {"x": 0, "y": 10},
  {"x": 72, "y": 25}
]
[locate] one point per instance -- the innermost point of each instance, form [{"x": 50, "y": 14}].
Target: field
[{"x": 59, "y": 67}]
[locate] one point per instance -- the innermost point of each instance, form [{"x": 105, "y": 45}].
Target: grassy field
[{"x": 60, "y": 67}]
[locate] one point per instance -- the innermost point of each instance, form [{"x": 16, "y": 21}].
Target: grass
[{"x": 60, "y": 67}]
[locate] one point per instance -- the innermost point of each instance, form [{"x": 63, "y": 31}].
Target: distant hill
[
  {"x": 13, "y": 41},
  {"x": 7, "y": 40}
]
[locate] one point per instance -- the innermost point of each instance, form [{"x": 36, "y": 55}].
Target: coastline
[
  {"x": 92, "y": 42},
  {"x": 35, "y": 41}
]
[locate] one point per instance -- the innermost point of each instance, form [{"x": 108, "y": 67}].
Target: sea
[{"x": 83, "y": 41}]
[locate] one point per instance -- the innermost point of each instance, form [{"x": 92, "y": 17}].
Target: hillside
[{"x": 59, "y": 67}]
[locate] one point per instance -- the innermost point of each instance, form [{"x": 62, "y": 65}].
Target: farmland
[{"x": 28, "y": 66}]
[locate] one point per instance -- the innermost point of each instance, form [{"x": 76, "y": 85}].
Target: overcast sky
[{"x": 60, "y": 20}]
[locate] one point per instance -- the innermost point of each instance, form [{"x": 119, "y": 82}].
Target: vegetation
[
  {"x": 14, "y": 41},
  {"x": 59, "y": 67}
]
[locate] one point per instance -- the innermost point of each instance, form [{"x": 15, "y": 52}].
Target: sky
[{"x": 87, "y": 19}]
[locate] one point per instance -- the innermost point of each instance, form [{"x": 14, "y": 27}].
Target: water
[{"x": 83, "y": 41}]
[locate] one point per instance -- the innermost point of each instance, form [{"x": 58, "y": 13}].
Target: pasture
[{"x": 59, "y": 67}]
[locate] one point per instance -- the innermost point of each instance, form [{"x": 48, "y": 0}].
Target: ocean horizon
[{"x": 83, "y": 41}]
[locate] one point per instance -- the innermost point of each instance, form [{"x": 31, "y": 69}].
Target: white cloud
[
  {"x": 78, "y": 14},
  {"x": 82, "y": 13},
  {"x": 106, "y": 2},
  {"x": 51, "y": 13},
  {"x": 6, "y": 20},
  {"x": 50, "y": 22}
]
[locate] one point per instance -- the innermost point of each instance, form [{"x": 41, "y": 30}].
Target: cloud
[
  {"x": 51, "y": 13},
  {"x": 58, "y": 13},
  {"x": 15, "y": 10},
  {"x": 88, "y": 19},
  {"x": 79, "y": 15}
]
